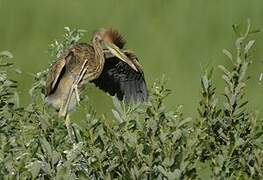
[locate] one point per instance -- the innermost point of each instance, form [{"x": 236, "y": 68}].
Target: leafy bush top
[{"x": 142, "y": 141}]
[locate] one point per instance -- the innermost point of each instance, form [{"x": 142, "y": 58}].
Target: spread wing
[{"x": 118, "y": 78}]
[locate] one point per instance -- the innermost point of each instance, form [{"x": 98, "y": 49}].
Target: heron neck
[{"x": 99, "y": 55}]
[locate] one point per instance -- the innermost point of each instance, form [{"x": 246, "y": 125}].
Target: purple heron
[
  {"x": 103, "y": 62},
  {"x": 122, "y": 79}
]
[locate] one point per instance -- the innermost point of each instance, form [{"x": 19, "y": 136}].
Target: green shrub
[{"x": 141, "y": 141}]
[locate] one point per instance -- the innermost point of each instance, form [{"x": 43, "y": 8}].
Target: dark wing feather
[{"x": 118, "y": 78}]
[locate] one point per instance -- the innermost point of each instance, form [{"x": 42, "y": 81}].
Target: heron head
[
  {"x": 99, "y": 35},
  {"x": 113, "y": 41},
  {"x": 109, "y": 35}
]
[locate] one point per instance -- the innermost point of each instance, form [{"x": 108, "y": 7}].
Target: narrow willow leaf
[
  {"x": 205, "y": 83},
  {"x": 260, "y": 77},
  {"x": 117, "y": 116},
  {"x": 67, "y": 29},
  {"x": 214, "y": 102},
  {"x": 177, "y": 135},
  {"x": 249, "y": 46},
  {"x": 18, "y": 71},
  {"x": 117, "y": 104},
  {"x": 228, "y": 81},
  {"x": 210, "y": 73},
  {"x": 226, "y": 72},
  {"x": 228, "y": 54},
  {"x": 243, "y": 104},
  {"x": 254, "y": 31},
  {"x": 240, "y": 87},
  {"x": 185, "y": 121},
  {"x": 242, "y": 74},
  {"x": 46, "y": 146},
  {"x": 233, "y": 100}
]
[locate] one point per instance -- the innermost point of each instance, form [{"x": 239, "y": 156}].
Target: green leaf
[
  {"x": 205, "y": 83},
  {"x": 185, "y": 121},
  {"x": 63, "y": 172},
  {"x": 228, "y": 54},
  {"x": 237, "y": 29},
  {"x": 117, "y": 116},
  {"x": 168, "y": 162},
  {"x": 242, "y": 74},
  {"x": 226, "y": 72},
  {"x": 254, "y": 31},
  {"x": 238, "y": 141},
  {"x": 249, "y": 46},
  {"x": 74, "y": 152},
  {"x": 35, "y": 168},
  {"x": 55, "y": 157},
  {"x": 46, "y": 147},
  {"x": 117, "y": 104},
  {"x": 204, "y": 170},
  {"x": 162, "y": 170},
  {"x": 177, "y": 135}
]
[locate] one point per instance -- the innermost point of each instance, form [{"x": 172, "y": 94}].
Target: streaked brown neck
[{"x": 99, "y": 56}]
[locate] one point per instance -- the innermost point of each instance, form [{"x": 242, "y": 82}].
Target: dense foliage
[{"x": 142, "y": 141}]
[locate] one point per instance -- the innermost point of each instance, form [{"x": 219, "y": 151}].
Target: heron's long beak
[{"x": 117, "y": 52}]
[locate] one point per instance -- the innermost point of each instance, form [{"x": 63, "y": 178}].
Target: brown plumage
[
  {"x": 119, "y": 74},
  {"x": 66, "y": 70}
]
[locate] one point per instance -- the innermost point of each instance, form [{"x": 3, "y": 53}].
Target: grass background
[{"x": 170, "y": 37}]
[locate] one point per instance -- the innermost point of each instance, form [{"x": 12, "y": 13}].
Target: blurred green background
[{"x": 170, "y": 37}]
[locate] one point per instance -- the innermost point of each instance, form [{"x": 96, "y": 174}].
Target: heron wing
[
  {"x": 118, "y": 78},
  {"x": 55, "y": 73},
  {"x": 70, "y": 61}
]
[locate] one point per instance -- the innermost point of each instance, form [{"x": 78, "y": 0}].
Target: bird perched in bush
[{"x": 103, "y": 62}]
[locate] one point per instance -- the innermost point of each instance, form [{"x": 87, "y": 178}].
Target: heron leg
[
  {"x": 77, "y": 93},
  {"x": 64, "y": 108},
  {"x": 70, "y": 129},
  {"x": 75, "y": 85},
  {"x": 82, "y": 73}
]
